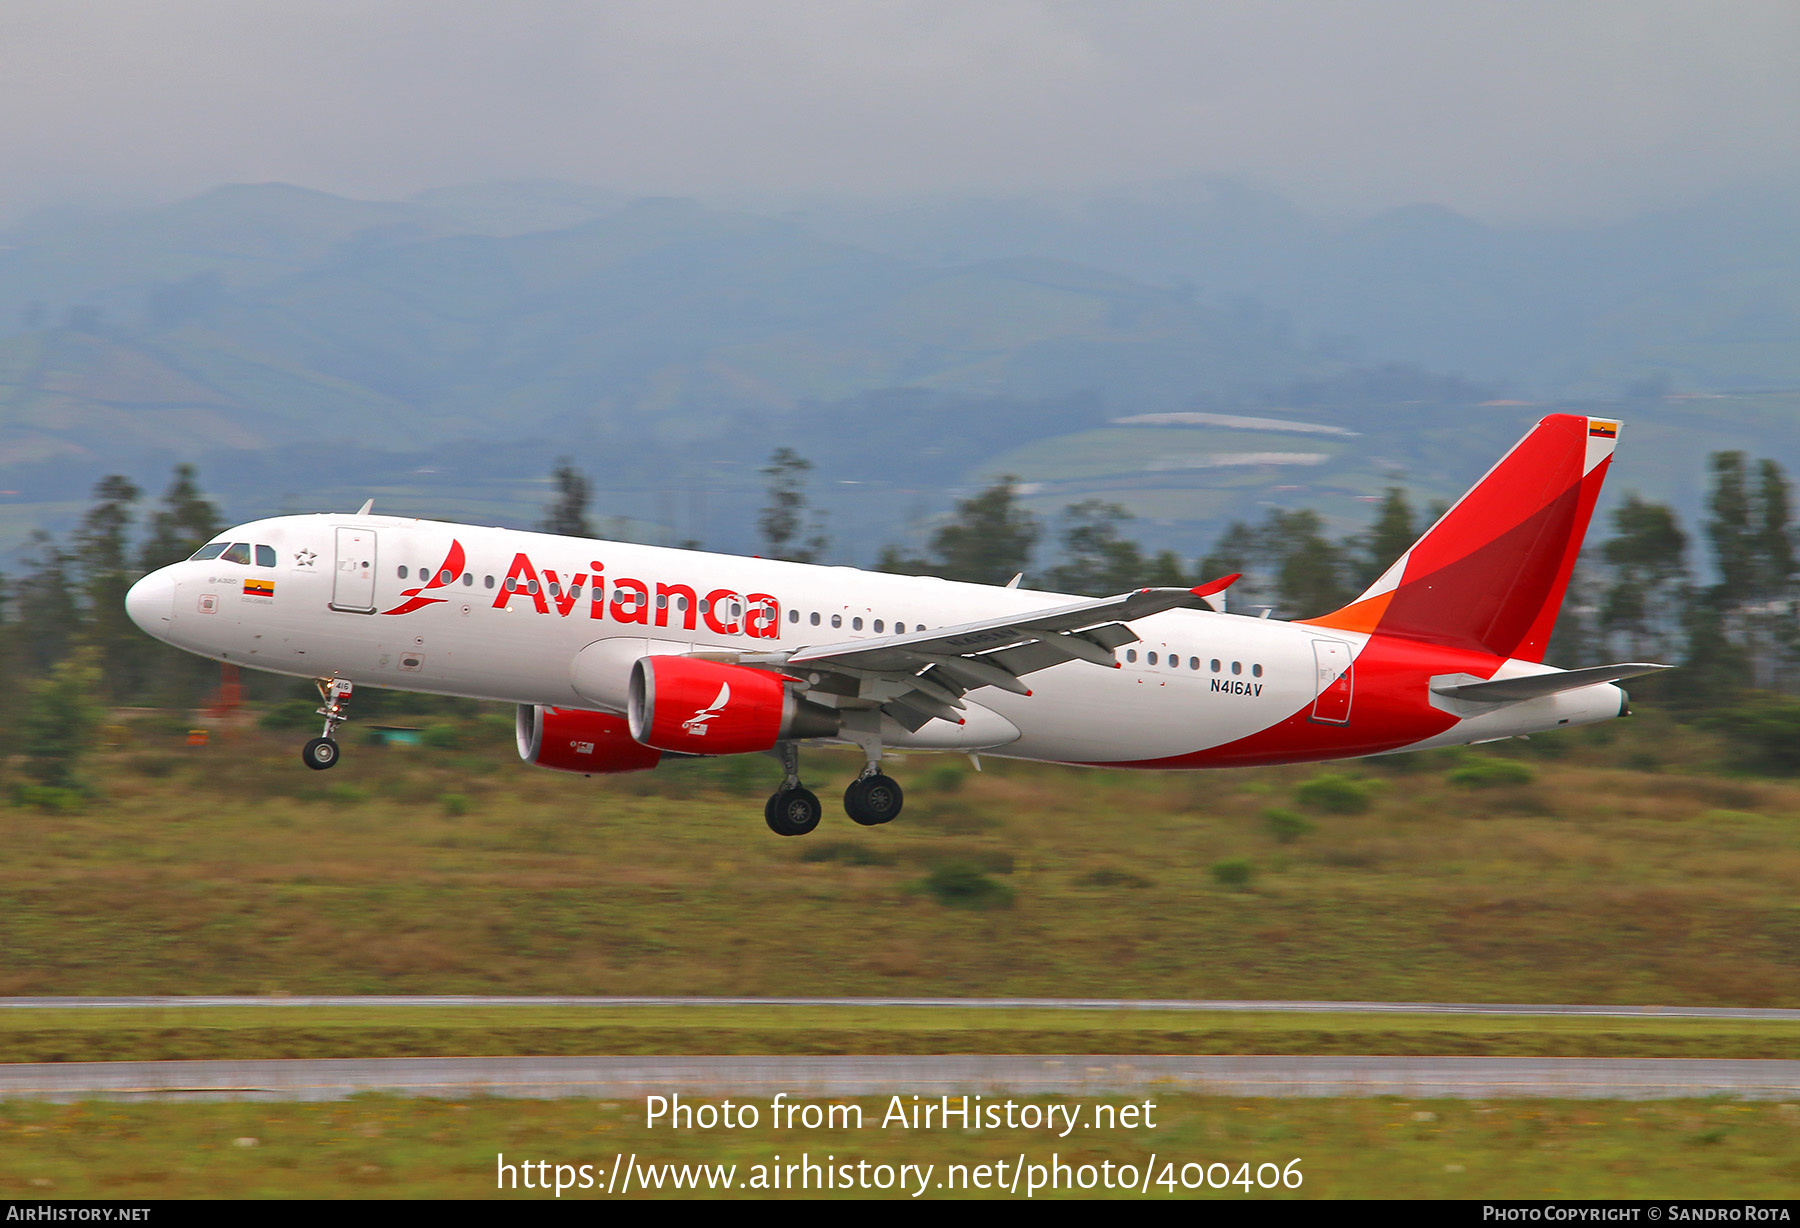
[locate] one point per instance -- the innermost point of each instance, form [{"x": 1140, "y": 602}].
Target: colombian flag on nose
[
  {"x": 259, "y": 588},
  {"x": 1603, "y": 430}
]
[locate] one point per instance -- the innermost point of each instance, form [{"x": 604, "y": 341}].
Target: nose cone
[{"x": 151, "y": 602}]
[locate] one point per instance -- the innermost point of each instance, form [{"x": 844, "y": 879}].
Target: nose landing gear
[{"x": 322, "y": 751}]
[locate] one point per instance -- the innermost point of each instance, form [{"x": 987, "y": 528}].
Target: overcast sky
[{"x": 1512, "y": 111}]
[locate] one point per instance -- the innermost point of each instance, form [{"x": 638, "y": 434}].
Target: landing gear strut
[
  {"x": 793, "y": 809},
  {"x": 322, "y": 751}
]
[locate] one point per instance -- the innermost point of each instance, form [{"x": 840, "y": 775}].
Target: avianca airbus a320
[{"x": 618, "y": 654}]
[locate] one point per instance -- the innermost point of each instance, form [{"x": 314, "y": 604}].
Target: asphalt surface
[
  {"x": 1093, "y": 1004},
  {"x": 627, "y": 1078}
]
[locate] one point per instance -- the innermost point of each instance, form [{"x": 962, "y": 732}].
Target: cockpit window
[
  {"x": 237, "y": 552},
  {"x": 265, "y": 556},
  {"x": 212, "y": 551}
]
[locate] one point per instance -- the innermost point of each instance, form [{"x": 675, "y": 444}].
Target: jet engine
[
  {"x": 573, "y": 740},
  {"x": 708, "y": 708}
]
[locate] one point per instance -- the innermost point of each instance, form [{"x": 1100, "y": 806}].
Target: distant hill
[{"x": 441, "y": 352}]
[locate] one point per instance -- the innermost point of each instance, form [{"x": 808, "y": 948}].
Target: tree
[
  {"x": 186, "y": 521},
  {"x": 1235, "y": 551},
  {"x": 1097, "y": 561},
  {"x": 785, "y": 516},
  {"x": 1309, "y": 569},
  {"x": 1752, "y": 541},
  {"x": 566, "y": 514},
  {"x": 989, "y": 541},
  {"x": 1642, "y": 606},
  {"x": 101, "y": 558},
  {"x": 48, "y": 615},
  {"x": 1390, "y": 536}
]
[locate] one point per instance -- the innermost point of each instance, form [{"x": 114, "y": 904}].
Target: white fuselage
[{"x": 521, "y": 618}]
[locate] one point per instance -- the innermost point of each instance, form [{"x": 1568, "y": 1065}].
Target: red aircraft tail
[{"x": 1491, "y": 574}]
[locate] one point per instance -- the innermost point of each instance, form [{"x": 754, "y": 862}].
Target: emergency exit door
[
  {"x": 353, "y": 583},
  {"x": 1332, "y": 703}
]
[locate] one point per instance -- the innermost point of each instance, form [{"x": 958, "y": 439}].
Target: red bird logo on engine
[{"x": 696, "y": 724}]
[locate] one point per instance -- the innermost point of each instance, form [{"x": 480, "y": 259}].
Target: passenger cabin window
[
  {"x": 1256, "y": 671},
  {"x": 1237, "y": 667},
  {"x": 265, "y": 556},
  {"x": 815, "y": 619},
  {"x": 856, "y": 624},
  {"x": 878, "y": 626},
  {"x": 1131, "y": 654},
  {"x": 899, "y": 628},
  {"x": 1150, "y": 658},
  {"x": 487, "y": 582},
  {"x": 402, "y": 571},
  {"x": 793, "y": 616},
  {"x": 212, "y": 551},
  {"x": 837, "y": 620},
  {"x": 237, "y": 552}
]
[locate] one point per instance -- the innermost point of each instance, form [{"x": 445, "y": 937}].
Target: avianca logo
[
  {"x": 696, "y": 724},
  {"x": 725, "y": 611},
  {"x": 415, "y": 600}
]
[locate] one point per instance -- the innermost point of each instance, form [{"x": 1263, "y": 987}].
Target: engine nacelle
[
  {"x": 708, "y": 708},
  {"x": 574, "y": 740}
]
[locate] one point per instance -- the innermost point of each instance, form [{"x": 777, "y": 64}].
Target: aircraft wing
[{"x": 924, "y": 674}]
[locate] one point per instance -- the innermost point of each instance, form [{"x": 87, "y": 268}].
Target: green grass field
[
  {"x": 1614, "y": 865},
  {"x": 1377, "y": 1148},
  {"x": 231, "y": 869}
]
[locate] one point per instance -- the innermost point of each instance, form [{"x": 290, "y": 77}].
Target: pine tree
[
  {"x": 101, "y": 557},
  {"x": 567, "y": 513},
  {"x": 1097, "y": 561},
  {"x": 186, "y": 521},
  {"x": 786, "y": 515},
  {"x": 989, "y": 541}
]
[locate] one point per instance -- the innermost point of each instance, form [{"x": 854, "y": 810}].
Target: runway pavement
[
  {"x": 632, "y": 1077},
  {"x": 1092, "y": 1004}
]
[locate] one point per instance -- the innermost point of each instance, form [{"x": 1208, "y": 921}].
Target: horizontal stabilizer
[{"x": 1535, "y": 686}]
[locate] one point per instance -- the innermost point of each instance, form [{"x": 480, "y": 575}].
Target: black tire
[
  {"x": 793, "y": 812},
  {"x": 874, "y": 800},
  {"x": 319, "y": 754}
]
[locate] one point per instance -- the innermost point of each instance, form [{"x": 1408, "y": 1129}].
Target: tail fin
[{"x": 1491, "y": 574}]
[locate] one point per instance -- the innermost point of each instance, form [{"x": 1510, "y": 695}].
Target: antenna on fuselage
[
  {"x": 1014, "y": 582},
  {"x": 364, "y": 509}
]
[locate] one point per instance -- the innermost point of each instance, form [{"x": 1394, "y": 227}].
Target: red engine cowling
[
  {"x": 707, "y": 708},
  {"x": 574, "y": 740}
]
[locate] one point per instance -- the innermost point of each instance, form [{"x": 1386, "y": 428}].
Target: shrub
[
  {"x": 945, "y": 778},
  {"x": 1106, "y": 876},
  {"x": 1233, "y": 871},
  {"x": 962, "y": 884},
  {"x": 455, "y": 804},
  {"x": 1285, "y": 825},
  {"x": 1334, "y": 794},
  {"x": 441, "y": 736},
  {"x": 1490, "y": 773},
  {"x": 344, "y": 793},
  {"x": 60, "y": 719},
  {"x": 1761, "y": 735},
  {"x": 291, "y": 714},
  {"x": 850, "y": 852}
]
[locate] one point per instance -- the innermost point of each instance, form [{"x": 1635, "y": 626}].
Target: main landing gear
[
  {"x": 322, "y": 751},
  {"x": 794, "y": 810}
]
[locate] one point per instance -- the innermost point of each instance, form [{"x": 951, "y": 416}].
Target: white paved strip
[
  {"x": 631, "y": 1077},
  {"x": 1780, "y": 1014}
]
